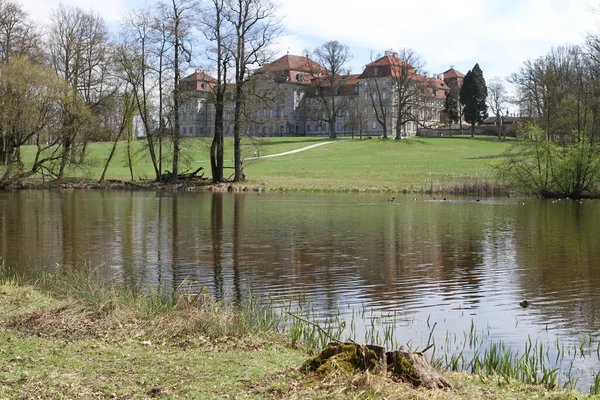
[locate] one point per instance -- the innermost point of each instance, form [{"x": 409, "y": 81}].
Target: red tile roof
[
  {"x": 199, "y": 76},
  {"x": 388, "y": 65},
  {"x": 290, "y": 62},
  {"x": 199, "y": 81},
  {"x": 388, "y": 60},
  {"x": 452, "y": 73}
]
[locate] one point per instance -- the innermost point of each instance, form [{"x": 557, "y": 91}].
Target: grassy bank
[
  {"x": 79, "y": 339},
  {"x": 459, "y": 164}
]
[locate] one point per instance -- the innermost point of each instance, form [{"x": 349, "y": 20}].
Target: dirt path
[{"x": 312, "y": 146}]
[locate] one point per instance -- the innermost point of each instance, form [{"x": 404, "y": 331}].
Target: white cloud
[{"x": 499, "y": 34}]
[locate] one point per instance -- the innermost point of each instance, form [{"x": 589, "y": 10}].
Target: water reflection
[{"x": 451, "y": 262}]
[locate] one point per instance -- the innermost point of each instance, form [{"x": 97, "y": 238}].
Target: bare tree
[
  {"x": 78, "y": 42},
  {"x": 328, "y": 71},
  {"x": 217, "y": 33},
  {"x": 357, "y": 122},
  {"x": 18, "y": 38},
  {"x": 497, "y": 100},
  {"x": 379, "y": 94},
  {"x": 137, "y": 68},
  {"x": 548, "y": 84},
  {"x": 255, "y": 27},
  {"x": 180, "y": 20},
  {"x": 407, "y": 70}
]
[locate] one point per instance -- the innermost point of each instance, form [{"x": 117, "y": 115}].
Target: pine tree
[
  {"x": 473, "y": 95},
  {"x": 450, "y": 111}
]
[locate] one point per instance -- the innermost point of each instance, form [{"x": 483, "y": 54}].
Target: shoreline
[
  {"x": 458, "y": 189},
  {"x": 60, "y": 342}
]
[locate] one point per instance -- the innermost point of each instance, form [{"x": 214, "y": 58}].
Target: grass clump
[{"x": 159, "y": 313}]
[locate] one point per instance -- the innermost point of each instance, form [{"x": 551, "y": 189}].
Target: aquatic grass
[
  {"x": 9, "y": 277},
  {"x": 595, "y": 388},
  {"x": 472, "y": 351}
]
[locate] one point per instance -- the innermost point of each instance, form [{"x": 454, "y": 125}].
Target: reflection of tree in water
[
  {"x": 557, "y": 248},
  {"x": 422, "y": 245},
  {"x": 238, "y": 212},
  {"x": 460, "y": 255},
  {"x": 216, "y": 219},
  {"x": 389, "y": 255}
]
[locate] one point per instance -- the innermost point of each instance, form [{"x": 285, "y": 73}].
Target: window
[
  {"x": 308, "y": 128},
  {"x": 184, "y": 130},
  {"x": 374, "y": 125}
]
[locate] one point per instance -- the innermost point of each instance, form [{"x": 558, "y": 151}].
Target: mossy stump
[
  {"x": 413, "y": 368},
  {"x": 348, "y": 357}
]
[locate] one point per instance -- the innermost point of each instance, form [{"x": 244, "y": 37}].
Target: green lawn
[
  {"x": 380, "y": 165},
  {"x": 346, "y": 164}
]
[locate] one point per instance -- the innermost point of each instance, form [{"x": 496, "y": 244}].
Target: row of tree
[
  {"x": 558, "y": 150},
  {"x": 68, "y": 84}
]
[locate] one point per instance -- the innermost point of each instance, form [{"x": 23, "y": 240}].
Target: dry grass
[{"x": 340, "y": 385}]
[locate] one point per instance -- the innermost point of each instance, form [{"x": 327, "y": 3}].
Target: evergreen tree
[
  {"x": 473, "y": 96},
  {"x": 450, "y": 111}
]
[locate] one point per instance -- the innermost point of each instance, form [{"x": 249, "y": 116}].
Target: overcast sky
[{"x": 497, "y": 34}]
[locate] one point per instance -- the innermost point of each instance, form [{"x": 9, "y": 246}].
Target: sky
[{"x": 498, "y": 34}]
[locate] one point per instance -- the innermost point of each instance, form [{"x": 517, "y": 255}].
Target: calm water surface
[{"x": 412, "y": 262}]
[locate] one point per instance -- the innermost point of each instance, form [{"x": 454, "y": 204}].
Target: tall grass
[{"x": 160, "y": 311}]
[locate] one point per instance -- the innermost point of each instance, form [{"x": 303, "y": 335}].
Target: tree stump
[
  {"x": 348, "y": 357},
  {"x": 413, "y": 368}
]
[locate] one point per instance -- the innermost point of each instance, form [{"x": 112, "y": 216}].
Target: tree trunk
[
  {"x": 216, "y": 148},
  {"x": 332, "y": 134},
  {"x": 237, "y": 142}
]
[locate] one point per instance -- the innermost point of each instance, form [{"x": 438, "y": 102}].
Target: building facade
[{"x": 389, "y": 97}]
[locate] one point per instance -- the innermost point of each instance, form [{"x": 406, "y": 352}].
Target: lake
[{"x": 414, "y": 265}]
